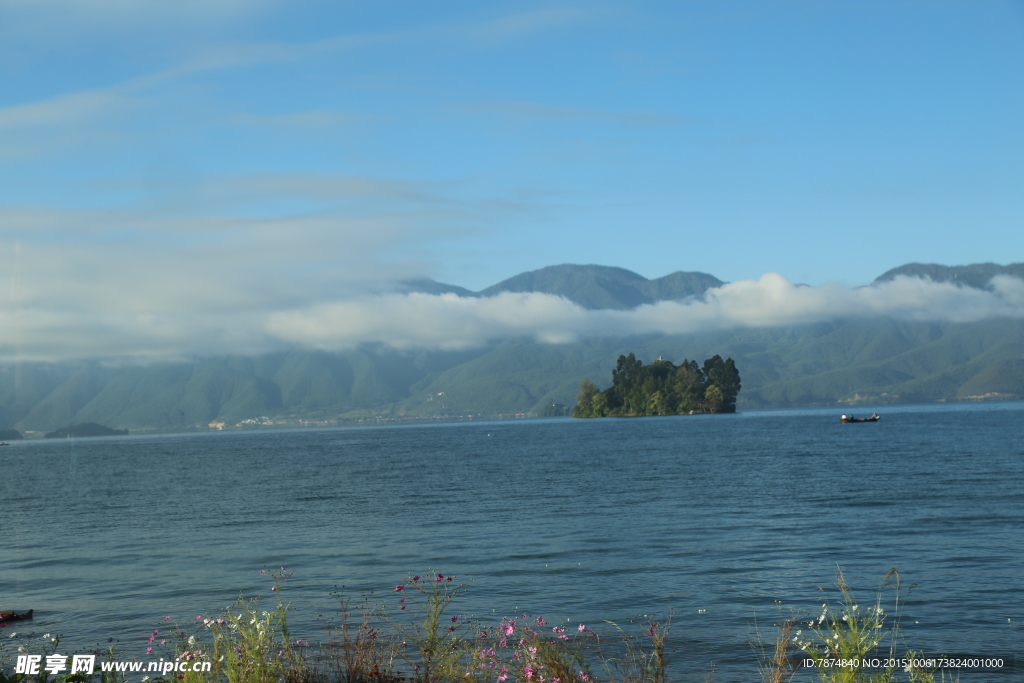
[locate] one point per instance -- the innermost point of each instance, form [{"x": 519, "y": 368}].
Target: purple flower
[
  {"x": 399, "y": 589},
  {"x": 454, "y": 619},
  {"x": 415, "y": 578}
]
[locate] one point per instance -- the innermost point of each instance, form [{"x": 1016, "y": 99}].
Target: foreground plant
[
  {"x": 849, "y": 643},
  {"x": 243, "y": 643}
]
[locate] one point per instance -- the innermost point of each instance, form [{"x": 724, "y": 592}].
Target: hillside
[
  {"x": 592, "y": 287},
  {"x": 858, "y": 360}
]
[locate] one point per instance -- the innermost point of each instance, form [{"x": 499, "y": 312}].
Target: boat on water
[
  {"x": 850, "y": 418},
  {"x": 6, "y": 616}
]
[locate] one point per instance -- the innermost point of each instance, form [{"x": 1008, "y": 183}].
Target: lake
[{"x": 712, "y": 518}]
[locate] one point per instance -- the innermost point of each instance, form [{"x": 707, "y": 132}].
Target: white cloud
[
  {"x": 450, "y": 322},
  {"x": 153, "y": 309}
]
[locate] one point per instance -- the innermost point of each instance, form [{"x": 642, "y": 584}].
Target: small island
[
  {"x": 10, "y": 435},
  {"x": 662, "y": 388},
  {"x": 85, "y": 429}
]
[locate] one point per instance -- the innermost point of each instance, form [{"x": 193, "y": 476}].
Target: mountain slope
[{"x": 864, "y": 359}]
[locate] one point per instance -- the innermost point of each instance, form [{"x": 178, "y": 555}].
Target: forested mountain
[
  {"x": 592, "y": 287},
  {"x": 857, "y": 360}
]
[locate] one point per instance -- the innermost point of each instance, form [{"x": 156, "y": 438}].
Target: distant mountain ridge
[
  {"x": 589, "y": 286},
  {"x": 841, "y": 362},
  {"x": 977, "y": 275}
]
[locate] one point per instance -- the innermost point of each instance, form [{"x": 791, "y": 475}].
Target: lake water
[{"x": 712, "y": 517}]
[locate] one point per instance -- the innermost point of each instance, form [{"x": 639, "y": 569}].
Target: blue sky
[{"x": 188, "y": 163}]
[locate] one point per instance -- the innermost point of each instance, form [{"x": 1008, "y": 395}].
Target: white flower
[
  {"x": 46, "y": 635},
  {"x": 13, "y": 634}
]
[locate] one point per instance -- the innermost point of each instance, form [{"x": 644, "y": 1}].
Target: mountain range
[{"x": 843, "y": 362}]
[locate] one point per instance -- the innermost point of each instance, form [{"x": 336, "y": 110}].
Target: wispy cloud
[
  {"x": 518, "y": 24},
  {"x": 319, "y": 118},
  {"x": 536, "y": 110}
]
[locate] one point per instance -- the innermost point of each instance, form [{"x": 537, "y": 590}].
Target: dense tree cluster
[{"x": 662, "y": 388}]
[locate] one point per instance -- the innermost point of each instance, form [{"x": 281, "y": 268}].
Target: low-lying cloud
[
  {"x": 199, "y": 323},
  {"x": 451, "y": 322}
]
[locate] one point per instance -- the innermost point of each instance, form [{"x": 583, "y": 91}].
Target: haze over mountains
[{"x": 953, "y": 333}]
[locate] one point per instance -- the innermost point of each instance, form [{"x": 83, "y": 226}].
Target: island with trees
[{"x": 662, "y": 388}]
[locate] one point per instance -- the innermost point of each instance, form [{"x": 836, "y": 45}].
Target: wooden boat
[
  {"x": 14, "y": 616},
  {"x": 850, "y": 418}
]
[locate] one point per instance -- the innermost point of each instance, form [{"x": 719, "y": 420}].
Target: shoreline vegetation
[
  {"x": 662, "y": 388},
  {"x": 417, "y": 636}
]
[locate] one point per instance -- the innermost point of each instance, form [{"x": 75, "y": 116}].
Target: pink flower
[
  {"x": 149, "y": 650},
  {"x": 167, "y": 618},
  {"x": 581, "y": 628},
  {"x": 454, "y": 619},
  {"x": 650, "y": 631},
  {"x": 199, "y": 617},
  {"x": 440, "y": 578},
  {"x": 540, "y": 621},
  {"x": 415, "y": 578},
  {"x": 399, "y": 589}
]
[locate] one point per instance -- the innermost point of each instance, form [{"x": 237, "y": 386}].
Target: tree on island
[{"x": 662, "y": 388}]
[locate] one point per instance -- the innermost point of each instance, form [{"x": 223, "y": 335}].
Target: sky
[{"x": 215, "y": 176}]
